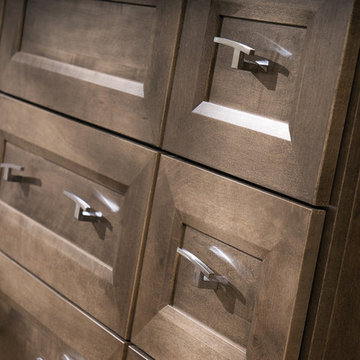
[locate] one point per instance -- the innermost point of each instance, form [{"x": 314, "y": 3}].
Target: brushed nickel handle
[
  {"x": 83, "y": 211},
  {"x": 240, "y": 50},
  {"x": 204, "y": 277},
  {"x": 7, "y": 168}
]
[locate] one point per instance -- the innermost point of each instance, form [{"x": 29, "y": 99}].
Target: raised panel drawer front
[
  {"x": 261, "y": 91},
  {"x": 106, "y": 62},
  {"x": 38, "y": 324},
  {"x": 73, "y": 205},
  {"x": 227, "y": 269}
]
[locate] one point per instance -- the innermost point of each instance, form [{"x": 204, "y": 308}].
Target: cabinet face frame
[
  {"x": 102, "y": 290},
  {"x": 43, "y": 308},
  {"x": 133, "y": 108},
  {"x": 283, "y": 235},
  {"x": 300, "y": 164}
]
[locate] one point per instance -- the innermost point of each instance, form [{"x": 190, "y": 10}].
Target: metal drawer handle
[
  {"x": 204, "y": 277},
  {"x": 240, "y": 50},
  {"x": 7, "y": 168},
  {"x": 83, "y": 211}
]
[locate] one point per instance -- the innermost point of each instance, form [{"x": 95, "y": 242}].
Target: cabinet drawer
[
  {"x": 271, "y": 117},
  {"x": 37, "y": 323},
  {"x": 106, "y": 62},
  {"x": 89, "y": 256},
  {"x": 227, "y": 270}
]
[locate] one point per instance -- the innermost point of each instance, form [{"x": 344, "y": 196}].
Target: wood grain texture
[
  {"x": 232, "y": 305},
  {"x": 40, "y": 193},
  {"x": 109, "y": 60},
  {"x": 270, "y": 94},
  {"x": 291, "y": 149},
  {"x": 49, "y": 324},
  {"x": 343, "y": 335},
  {"x": 82, "y": 42},
  {"x": 332, "y": 252},
  {"x": 284, "y": 235},
  {"x": 58, "y": 151}
]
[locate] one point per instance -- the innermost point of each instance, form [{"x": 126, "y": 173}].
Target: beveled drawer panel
[
  {"x": 227, "y": 269},
  {"x": 106, "y": 62},
  {"x": 259, "y": 93},
  {"x": 92, "y": 260},
  {"x": 40, "y": 196},
  {"x": 37, "y": 323}
]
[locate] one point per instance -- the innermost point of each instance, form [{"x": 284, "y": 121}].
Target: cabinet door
[
  {"x": 106, "y": 62},
  {"x": 75, "y": 215},
  {"x": 37, "y": 323},
  {"x": 227, "y": 269},
  {"x": 275, "y": 117}
]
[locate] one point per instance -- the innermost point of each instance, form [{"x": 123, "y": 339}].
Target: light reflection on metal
[
  {"x": 204, "y": 277},
  {"x": 240, "y": 267},
  {"x": 276, "y": 47},
  {"x": 221, "y": 254},
  {"x": 113, "y": 207}
]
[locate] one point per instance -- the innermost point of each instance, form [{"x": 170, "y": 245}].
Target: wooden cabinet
[
  {"x": 105, "y": 62},
  {"x": 92, "y": 260},
  {"x": 241, "y": 288},
  {"x": 37, "y": 323},
  {"x": 277, "y": 125},
  {"x": 179, "y": 179}
]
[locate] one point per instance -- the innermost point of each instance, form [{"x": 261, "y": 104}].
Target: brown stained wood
[
  {"x": 22, "y": 337},
  {"x": 286, "y": 137},
  {"x": 232, "y": 304},
  {"x": 337, "y": 249},
  {"x": 283, "y": 234},
  {"x": 264, "y": 94},
  {"x": 38, "y": 322},
  {"x": 171, "y": 334},
  {"x": 292, "y": 12},
  {"x": 76, "y": 32},
  {"x": 2, "y": 8},
  {"x": 133, "y": 353},
  {"x": 109, "y": 60},
  {"x": 343, "y": 335},
  {"x": 94, "y": 265},
  {"x": 40, "y": 193}
]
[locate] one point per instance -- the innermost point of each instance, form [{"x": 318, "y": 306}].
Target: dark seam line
[
  {"x": 170, "y": 154},
  {"x": 65, "y": 298}
]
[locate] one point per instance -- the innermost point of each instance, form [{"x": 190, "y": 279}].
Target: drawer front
[
  {"x": 89, "y": 255},
  {"x": 227, "y": 269},
  {"x": 264, "y": 112},
  {"x": 105, "y": 62},
  {"x": 37, "y": 323}
]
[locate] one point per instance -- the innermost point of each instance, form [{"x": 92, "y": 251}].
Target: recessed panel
[
  {"x": 109, "y": 37},
  {"x": 39, "y": 194},
  {"x": 227, "y": 269},
  {"x": 271, "y": 93},
  {"x": 39, "y": 324},
  {"x": 104, "y": 62},
  {"x": 73, "y": 206},
  {"x": 259, "y": 88},
  {"x": 232, "y": 303}
]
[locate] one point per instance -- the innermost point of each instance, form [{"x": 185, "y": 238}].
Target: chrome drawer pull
[
  {"x": 83, "y": 211},
  {"x": 204, "y": 277},
  {"x": 7, "y": 168},
  {"x": 240, "y": 50}
]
